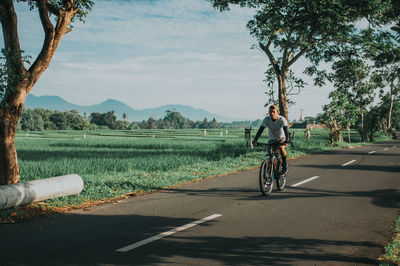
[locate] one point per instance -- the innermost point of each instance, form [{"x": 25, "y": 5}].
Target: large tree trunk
[
  {"x": 9, "y": 170},
  {"x": 363, "y": 135},
  {"x": 10, "y": 111},
  {"x": 280, "y": 73},
  {"x": 390, "y": 112},
  {"x": 348, "y": 133},
  {"x": 283, "y": 110}
]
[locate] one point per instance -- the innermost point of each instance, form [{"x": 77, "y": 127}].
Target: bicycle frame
[{"x": 274, "y": 158}]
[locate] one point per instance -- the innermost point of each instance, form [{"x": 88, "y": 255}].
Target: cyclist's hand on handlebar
[
  {"x": 286, "y": 142},
  {"x": 254, "y": 143}
]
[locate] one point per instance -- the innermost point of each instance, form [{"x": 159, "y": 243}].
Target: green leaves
[
  {"x": 54, "y": 6},
  {"x": 287, "y": 30},
  {"x": 9, "y": 75}
]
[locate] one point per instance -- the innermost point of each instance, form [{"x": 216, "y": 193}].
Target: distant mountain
[
  {"x": 59, "y": 104},
  {"x": 48, "y": 102}
]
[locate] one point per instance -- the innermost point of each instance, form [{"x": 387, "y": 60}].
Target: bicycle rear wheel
[{"x": 266, "y": 178}]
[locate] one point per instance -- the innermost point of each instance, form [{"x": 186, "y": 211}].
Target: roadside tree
[
  {"x": 334, "y": 115},
  {"x": 289, "y": 30},
  {"x": 383, "y": 48},
  {"x": 17, "y": 80},
  {"x": 374, "y": 120},
  {"x": 354, "y": 77}
]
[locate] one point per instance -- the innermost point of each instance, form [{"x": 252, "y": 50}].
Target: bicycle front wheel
[
  {"x": 265, "y": 178},
  {"x": 281, "y": 182}
]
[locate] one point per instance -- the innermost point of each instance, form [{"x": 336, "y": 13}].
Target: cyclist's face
[{"x": 273, "y": 113}]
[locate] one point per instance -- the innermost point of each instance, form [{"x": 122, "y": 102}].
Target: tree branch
[
  {"x": 9, "y": 23},
  {"x": 53, "y": 9},
  {"x": 296, "y": 42},
  {"x": 274, "y": 63},
  {"x": 285, "y": 57},
  {"x": 44, "y": 57},
  {"x": 44, "y": 17},
  {"x": 53, "y": 35},
  {"x": 309, "y": 42},
  {"x": 65, "y": 18},
  {"x": 298, "y": 56}
]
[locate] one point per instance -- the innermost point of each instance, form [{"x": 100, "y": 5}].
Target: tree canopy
[{"x": 287, "y": 30}]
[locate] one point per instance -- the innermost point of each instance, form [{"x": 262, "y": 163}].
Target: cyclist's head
[{"x": 273, "y": 111}]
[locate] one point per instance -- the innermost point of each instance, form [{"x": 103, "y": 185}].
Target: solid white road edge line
[
  {"x": 304, "y": 181},
  {"x": 371, "y": 152},
  {"x": 168, "y": 233},
  {"x": 346, "y": 164}
]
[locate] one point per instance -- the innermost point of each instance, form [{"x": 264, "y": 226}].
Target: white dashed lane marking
[
  {"x": 346, "y": 164},
  {"x": 168, "y": 233},
  {"x": 305, "y": 181}
]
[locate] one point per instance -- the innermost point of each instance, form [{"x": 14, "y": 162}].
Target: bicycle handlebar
[{"x": 291, "y": 135}]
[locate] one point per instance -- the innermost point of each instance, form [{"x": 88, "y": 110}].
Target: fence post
[{"x": 247, "y": 135}]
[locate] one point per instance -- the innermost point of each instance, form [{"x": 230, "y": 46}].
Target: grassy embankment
[
  {"x": 118, "y": 163},
  {"x": 392, "y": 250}
]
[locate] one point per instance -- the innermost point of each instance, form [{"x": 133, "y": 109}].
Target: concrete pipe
[{"x": 39, "y": 190}]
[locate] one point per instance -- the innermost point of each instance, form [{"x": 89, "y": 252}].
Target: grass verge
[{"x": 392, "y": 250}]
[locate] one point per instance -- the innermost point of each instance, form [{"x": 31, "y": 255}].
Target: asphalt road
[{"x": 342, "y": 217}]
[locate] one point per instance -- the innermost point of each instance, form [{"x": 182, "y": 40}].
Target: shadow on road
[
  {"x": 387, "y": 198},
  {"x": 92, "y": 240},
  {"x": 382, "y": 168},
  {"x": 259, "y": 250}
]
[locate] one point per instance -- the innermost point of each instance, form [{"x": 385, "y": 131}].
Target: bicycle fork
[{"x": 273, "y": 170}]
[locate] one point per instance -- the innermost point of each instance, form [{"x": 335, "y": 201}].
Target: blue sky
[{"x": 150, "y": 53}]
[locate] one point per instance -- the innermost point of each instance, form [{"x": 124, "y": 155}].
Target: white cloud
[{"x": 149, "y": 53}]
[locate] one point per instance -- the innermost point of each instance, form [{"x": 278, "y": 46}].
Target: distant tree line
[
  {"x": 175, "y": 120},
  {"x": 42, "y": 119},
  {"x": 243, "y": 124}
]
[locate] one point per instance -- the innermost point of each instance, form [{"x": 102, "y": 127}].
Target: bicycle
[{"x": 270, "y": 169}]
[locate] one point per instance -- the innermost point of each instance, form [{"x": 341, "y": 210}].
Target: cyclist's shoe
[{"x": 284, "y": 169}]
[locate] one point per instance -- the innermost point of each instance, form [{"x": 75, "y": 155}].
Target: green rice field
[{"x": 114, "y": 163}]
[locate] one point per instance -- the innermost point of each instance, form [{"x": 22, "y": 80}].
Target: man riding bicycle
[{"x": 277, "y": 131}]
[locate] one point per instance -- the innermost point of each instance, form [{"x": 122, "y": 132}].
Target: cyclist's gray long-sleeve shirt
[{"x": 277, "y": 129}]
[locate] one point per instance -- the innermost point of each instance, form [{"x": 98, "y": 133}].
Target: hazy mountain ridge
[{"x": 59, "y": 104}]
